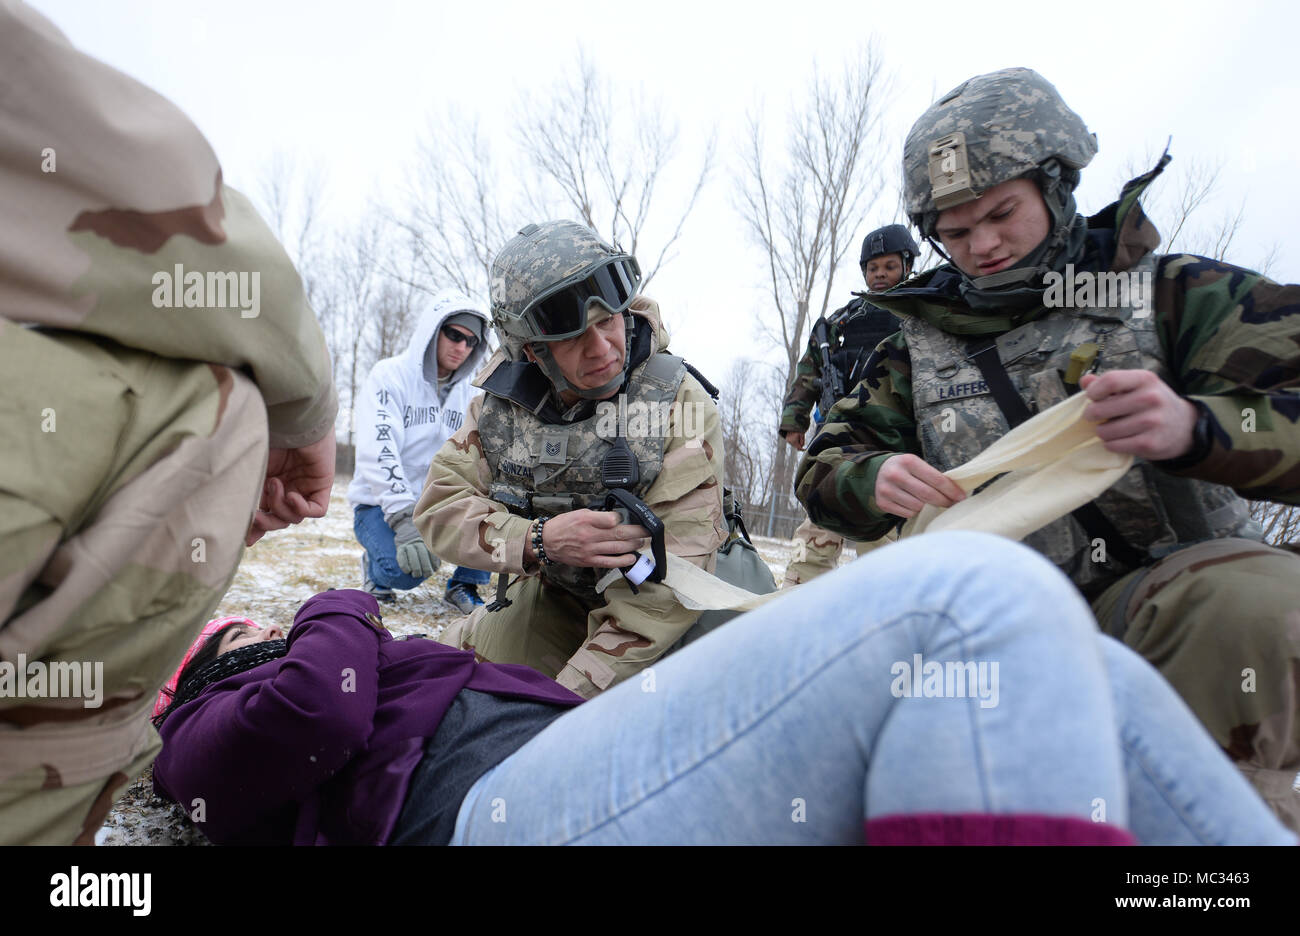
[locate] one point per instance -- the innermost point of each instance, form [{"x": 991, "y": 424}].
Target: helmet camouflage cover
[
  {"x": 538, "y": 257},
  {"x": 988, "y": 130}
]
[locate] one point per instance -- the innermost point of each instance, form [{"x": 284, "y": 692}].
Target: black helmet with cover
[{"x": 890, "y": 239}]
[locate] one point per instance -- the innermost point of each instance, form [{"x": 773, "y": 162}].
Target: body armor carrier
[
  {"x": 543, "y": 469},
  {"x": 957, "y": 417},
  {"x": 859, "y": 327}
]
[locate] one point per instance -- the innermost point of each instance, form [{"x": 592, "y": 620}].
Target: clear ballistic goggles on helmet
[{"x": 561, "y": 312}]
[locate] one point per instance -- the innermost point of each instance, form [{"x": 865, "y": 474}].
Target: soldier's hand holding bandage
[
  {"x": 907, "y": 483},
  {"x": 593, "y": 539},
  {"x": 1140, "y": 414}
]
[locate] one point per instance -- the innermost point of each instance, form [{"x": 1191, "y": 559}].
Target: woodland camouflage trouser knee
[
  {"x": 817, "y": 551},
  {"x": 542, "y": 627},
  {"x": 1221, "y": 622},
  {"x": 126, "y": 487}
]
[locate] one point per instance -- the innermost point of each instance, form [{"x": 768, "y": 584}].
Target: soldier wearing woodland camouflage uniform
[
  {"x": 135, "y": 412},
  {"x": 512, "y": 490},
  {"x": 1199, "y": 382},
  {"x": 853, "y": 332}
]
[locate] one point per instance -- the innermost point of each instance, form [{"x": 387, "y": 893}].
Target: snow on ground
[{"x": 276, "y": 576}]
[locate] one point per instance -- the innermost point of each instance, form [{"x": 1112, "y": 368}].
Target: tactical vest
[
  {"x": 957, "y": 417},
  {"x": 860, "y": 328},
  {"x": 542, "y": 469}
]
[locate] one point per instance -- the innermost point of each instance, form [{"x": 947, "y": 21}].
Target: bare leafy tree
[
  {"x": 293, "y": 196},
  {"x": 393, "y": 311},
  {"x": 805, "y": 210},
  {"x": 748, "y": 455},
  {"x": 454, "y": 216},
  {"x": 1178, "y": 203},
  {"x": 1179, "y": 212},
  {"x": 357, "y": 280},
  {"x": 805, "y": 214},
  {"x": 606, "y": 162},
  {"x": 576, "y": 153},
  {"x": 749, "y": 406}
]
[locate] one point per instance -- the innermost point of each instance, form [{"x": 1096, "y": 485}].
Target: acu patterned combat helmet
[
  {"x": 988, "y": 130},
  {"x": 991, "y": 129},
  {"x": 550, "y": 283}
]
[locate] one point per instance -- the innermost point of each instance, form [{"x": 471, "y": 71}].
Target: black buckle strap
[
  {"x": 639, "y": 512},
  {"x": 1004, "y": 391},
  {"x": 1096, "y": 524},
  {"x": 737, "y": 518},
  {"x": 501, "y": 600}
]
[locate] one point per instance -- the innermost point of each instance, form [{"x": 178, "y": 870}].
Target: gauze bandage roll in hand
[{"x": 1056, "y": 464}]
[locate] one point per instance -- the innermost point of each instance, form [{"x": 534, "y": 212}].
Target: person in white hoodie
[{"x": 411, "y": 404}]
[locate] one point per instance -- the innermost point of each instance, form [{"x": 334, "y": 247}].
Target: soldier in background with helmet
[
  {"x": 1197, "y": 377},
  {"x": 520, "y": 487},
  {"x": 888, "y": 255}
]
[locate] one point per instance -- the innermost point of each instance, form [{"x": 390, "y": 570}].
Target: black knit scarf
[{"x": 230, "y": 663}]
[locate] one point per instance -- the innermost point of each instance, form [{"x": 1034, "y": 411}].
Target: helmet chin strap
[
  {"x": 1021, "y": 285},
  {"x": 551, "y": 369}
]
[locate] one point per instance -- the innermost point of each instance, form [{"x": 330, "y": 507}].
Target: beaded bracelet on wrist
[{"x": 537, "y": 542}]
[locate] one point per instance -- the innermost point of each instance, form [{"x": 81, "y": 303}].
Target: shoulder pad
[{"x": 666, "y": 367}]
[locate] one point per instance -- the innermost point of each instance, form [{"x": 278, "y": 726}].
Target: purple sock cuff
[{"x": 988, "y": 829}]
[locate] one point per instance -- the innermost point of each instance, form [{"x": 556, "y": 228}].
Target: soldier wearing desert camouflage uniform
[
  {"x": 853, "y": 332},
  {"x": 1199, "y": 382},
  {"x": 135, "y": 413},
  {"x": 513, "y": 490}
]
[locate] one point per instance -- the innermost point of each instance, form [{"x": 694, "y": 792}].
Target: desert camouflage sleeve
[
  {"x": 454, "y": 514},
  {"x": 836, "y": 480},
  {"x": 632, "y": 631},
  {"x": 1233, "y": 342},
  {"x": 128, "y": 232},
  {"x": 805, "y": 391}
]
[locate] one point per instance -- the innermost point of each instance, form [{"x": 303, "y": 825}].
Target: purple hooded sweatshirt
[{"x": 318, "y": 746}]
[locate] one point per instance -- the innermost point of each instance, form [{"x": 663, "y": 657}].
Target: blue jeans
[
  {"x": 795, "y": 722},
  {"x": 376, "y": 537}
]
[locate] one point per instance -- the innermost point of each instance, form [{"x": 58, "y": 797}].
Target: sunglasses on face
[
  {"x": 561, "y": 312},
  {"x": 450, "y": 333}
]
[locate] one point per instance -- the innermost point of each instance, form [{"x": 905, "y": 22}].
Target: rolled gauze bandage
[
  {"x": 1056, "y": 464},
  {"x": 698, "y": 590}
]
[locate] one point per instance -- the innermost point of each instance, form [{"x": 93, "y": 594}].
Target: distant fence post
[{"x": 345, "y": 459}]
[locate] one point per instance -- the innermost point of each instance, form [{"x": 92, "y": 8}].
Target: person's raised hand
[
  {"x": 794, "y": 438},
  {"x": 906, "y": 483},
  {"x": 297, "y": 487},
  {"x": 591, "y": 539},
  {"x": 1139, "y": 414}
]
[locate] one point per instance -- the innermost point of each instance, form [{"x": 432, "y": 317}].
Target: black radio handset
[
  {"x": 620, "y": 472},
  {"x": 620, "y": 468}
]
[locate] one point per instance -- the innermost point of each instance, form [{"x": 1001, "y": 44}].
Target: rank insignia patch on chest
[{"x": 555, "y": 449}]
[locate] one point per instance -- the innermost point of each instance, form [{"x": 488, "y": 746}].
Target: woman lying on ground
[{"x": 817, "y": 719}]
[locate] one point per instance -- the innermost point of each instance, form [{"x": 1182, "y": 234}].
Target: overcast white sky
[{"x": 348, "y": 85}]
